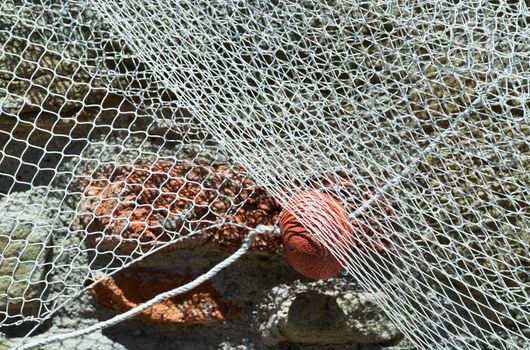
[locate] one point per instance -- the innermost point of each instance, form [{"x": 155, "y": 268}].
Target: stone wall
[
  {"x": 73, "y": 100},
  {"x": 74, "y": 103}
]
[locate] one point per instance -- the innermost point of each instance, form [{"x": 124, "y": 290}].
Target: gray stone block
[
  {"x": 318, "y": 313},
  {"x": 26, "y": 223}
]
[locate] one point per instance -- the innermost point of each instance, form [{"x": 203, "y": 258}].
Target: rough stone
[
  {"x": 26, "y": 224},
  {"x": 133, "y": 287},
  {"x": 56, "y": 87},
  {"x": 140, "y": 206},
  {"x": 313, "y": 313},
  {"x": 36, "y": 69}
]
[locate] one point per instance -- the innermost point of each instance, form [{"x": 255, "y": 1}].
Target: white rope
[
  {"x": 158, "y": 299},
  {"x": 130, "y": 263}
]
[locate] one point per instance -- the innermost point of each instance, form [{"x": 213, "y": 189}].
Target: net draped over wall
[{"x": 415, "y": 115}]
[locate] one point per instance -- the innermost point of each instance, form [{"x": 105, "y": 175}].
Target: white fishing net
[{"x": 126, "y": 126}]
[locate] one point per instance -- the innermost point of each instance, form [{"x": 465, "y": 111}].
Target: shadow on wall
[{"x": 34, "y": 153}]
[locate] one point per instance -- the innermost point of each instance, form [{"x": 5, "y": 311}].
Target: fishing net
[{"x": 128, "y": 126}]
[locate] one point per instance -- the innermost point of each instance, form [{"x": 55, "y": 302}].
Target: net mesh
[{"x": 130, "y": 125}]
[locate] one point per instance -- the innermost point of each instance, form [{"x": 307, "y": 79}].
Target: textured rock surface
[
  {"x": 144, "y": 205},
  {"x": 330, "y": 312},
  {"x": 56, "y": 89},
  {"x": 26, "y": 223},
  {"x": 36, "y": 71},
  {"x": 54, "y": 64},
  {"x": 133, "y": 287}
]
